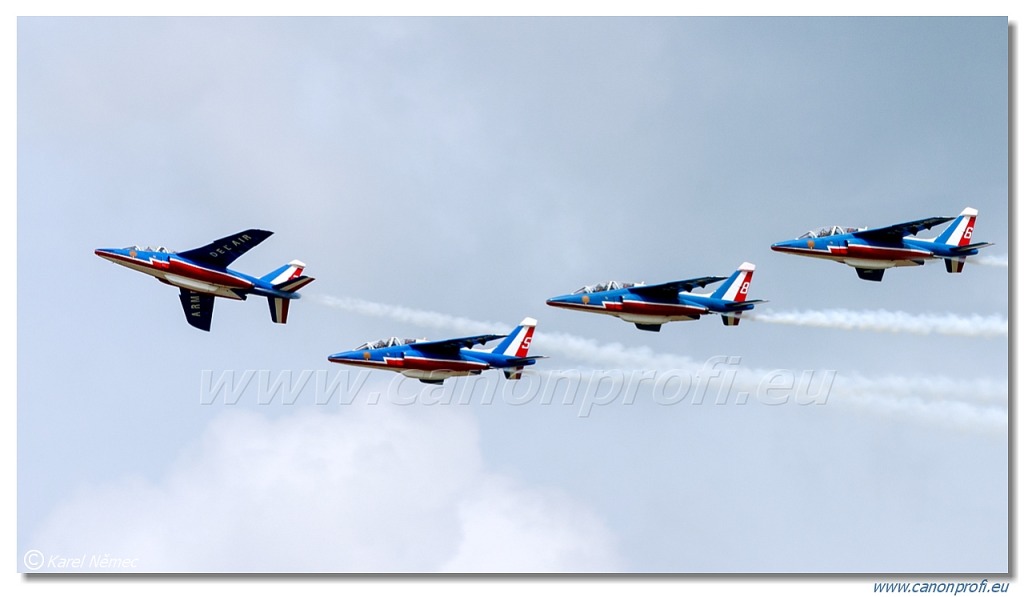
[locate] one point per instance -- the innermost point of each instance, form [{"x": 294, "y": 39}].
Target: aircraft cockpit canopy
[
  {"x": 610, "y": 285},
  {"x": 150, "y": 249},
  {"x": 827, "y": 231},
  {"x": 387, "y": 343}
]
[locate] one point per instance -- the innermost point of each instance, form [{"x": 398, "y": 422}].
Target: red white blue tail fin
[
  {"x": 288, "y": 278},
  {"x": 731, "y": 318},
  {"x": 735, "y": 288},
  {"x": 960, "y": 230},
  {"x": 517, "y": 343},
  {"x": 513, "y": 373},
  {"x": 278, "y": 309},
  {"x": 286, "y": 274},
  {"x": 958, "y": 239},
  {"x": 955, "y": 265}
]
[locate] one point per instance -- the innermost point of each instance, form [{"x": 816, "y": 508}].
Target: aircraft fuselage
[{"x": 182, "y": 273}]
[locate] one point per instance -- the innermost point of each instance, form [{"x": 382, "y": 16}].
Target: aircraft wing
[
  {"x": 221, "y": 252},
  {"x": 198, "y": 308},
  {"x": 669, "y": 290},
  {"x": 452, "y": 346},
  {"x": 895, "y": 233}
]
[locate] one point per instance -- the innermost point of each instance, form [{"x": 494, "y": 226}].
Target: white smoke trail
[
  {"x": 891, "y": 321},
  {"x": 991, "y": 260},
  {"x": 972, "y": 404},
  {"x": 427, "y": 319},
  {"x": 968, "y": 404},
  {"x": 956, "y": 414}
]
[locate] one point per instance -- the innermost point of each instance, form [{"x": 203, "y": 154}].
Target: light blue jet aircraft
[
  {"x": 872, "y": 251},
  {"x": 435, "y": 361},
  {"x": 202, "y": 274},
  {"x": 648, "y": 306}
]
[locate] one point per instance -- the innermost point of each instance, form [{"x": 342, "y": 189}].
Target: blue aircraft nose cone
[
  {"x": 555, "y": 301},
  {"x": 341, "y": 357}
]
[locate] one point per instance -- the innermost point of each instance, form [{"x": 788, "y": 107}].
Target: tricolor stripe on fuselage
[
  {"x": 181, "y": 273},
  {"x": 641, "y": 307},
  {"x": 859, "y": 251},
  {"x": 412, "y": 363}
]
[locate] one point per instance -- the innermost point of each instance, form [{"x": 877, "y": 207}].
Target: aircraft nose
[
  {"x": 340, "y": 357},
  {"x": 105, "y": 253}
]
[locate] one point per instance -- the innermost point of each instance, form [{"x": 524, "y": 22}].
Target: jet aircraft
[
  {"x": 872, "y": 251},
  {"x": 435, "y": 361},
  {"x": 648, "y": 306},
  {"x": 202, "y": 274}
]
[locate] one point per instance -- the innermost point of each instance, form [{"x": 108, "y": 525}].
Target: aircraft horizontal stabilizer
[
  {"x": 520, "y": 362},
  {"x": 294, "y": 284},
  {"x": 968, "y": 248},
  {"x": 747, "y": 303}
]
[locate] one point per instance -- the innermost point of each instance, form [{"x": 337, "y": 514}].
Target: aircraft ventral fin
[
  {"x": 221, "y": 252},
  {"x": 669, "y": 290},
  {"x": 452, "y": 346},
  {"x": 896, "y": 232}
]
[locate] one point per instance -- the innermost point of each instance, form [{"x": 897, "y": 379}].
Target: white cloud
[{"x": 361, "y": 489}]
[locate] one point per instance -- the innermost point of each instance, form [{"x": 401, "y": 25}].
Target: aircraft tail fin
[
  {"x": 960, "y": 230},
  {"x": 513, "y": 372},
  {"x": 288, "y": 278},
  {"x": 731, "y": 318},
  {"x": 278, "y": 309},
  {"x": 517, "y": 343},
  {"x": 958, "y": 236},
  {"x": 513, "y": 367},
  {"x": 735, "y": 288},
  {"x": 955, "y": 265}
]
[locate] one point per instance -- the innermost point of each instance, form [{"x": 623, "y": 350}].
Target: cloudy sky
[{"x": 441, "y": 176}]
